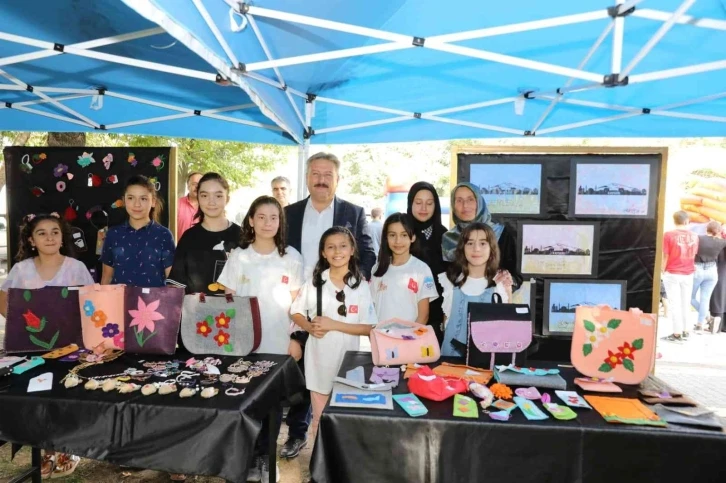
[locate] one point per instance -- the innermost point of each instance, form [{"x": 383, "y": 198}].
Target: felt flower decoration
[
  {"x": 145, "y": 315},
  {"x": 107, "y": 160},
  {"x": 110, "y": 331},
  {"x": 42, "y": 156},
  {"x": 222, "y": 338},
  {"x": 99, "y": 318},
  {"x": 85, "y": 160},
  {"x": 222, "y": 321},
  {"x": 88, "y": 308},
  {"x": 132, "y": 159},
  {"x": 627, "y": 351},
  {"x": 203, "y": 328},
  {"x": 501, "y": 391},
  {"x": 613, "y": 359},
  {"x": 60, "y": 170},
  {"x": 118, "y": 340},
  {"x": 31, "y": 320}
]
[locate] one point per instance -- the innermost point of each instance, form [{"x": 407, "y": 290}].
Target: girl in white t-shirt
[
  {"x": 473, "y": 277},
  {"x": 402, "y": 285},
  {"x": 347, "y": 314}
]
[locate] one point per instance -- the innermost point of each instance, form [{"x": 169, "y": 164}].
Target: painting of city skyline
[
  {"x": 509, "y": 188},
  {"x": 611, "y": 189},
  {"x": 558, "y": 249},
  {"x": 562, "y": 297}
]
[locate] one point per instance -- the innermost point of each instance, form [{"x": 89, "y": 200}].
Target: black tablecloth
[
  {"x": 213, "y": 437},
  {"x": 364, "y": 445}
]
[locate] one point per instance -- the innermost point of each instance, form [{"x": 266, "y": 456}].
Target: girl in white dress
[
  {"x": 347, "y": 314},
  {"x": 402, "y": 285}
]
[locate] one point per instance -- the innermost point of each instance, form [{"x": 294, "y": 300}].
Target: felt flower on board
[
  {"x": 60, "y": 170},
  {"x": 88, "y": 308},
  {"x": 85, "y": 160},
  {"x": 203, "y": 328},
  {"x": 132, "y": 159},
  {"x": 42, "y": 156},
  {"x": 627, "y": 351},
  {"x": 31, "y": 320},
  {"x": 222, "y": 321},
  {"x": 145, "y": 315},
  {"x": 222, "y": 338},
  {"x": 99, "y": 318},
  {"x": 110, "y": 331},
  {"x": 613, "y": 359},
  {"x": 119, "y": 341}
]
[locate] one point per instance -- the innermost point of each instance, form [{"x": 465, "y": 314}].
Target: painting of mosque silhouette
[
  {"x": 611, "y": 190},
  {"x": 562, "y": 297},
  {"x": 509, "y": 188},
  {"x": 558, "y": 249}
]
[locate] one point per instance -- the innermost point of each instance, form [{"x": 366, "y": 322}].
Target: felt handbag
[
  {"x": 529, "y": 377},
  {"x": 614, "y": 344},
  {"x": 152, "y": 319},
  {"x": 102, "y": 316},
  {"x": 424, "y": 383},
  {"x": 395, "y": 342},
  {"x": 41, "y": 320},
  {"x": 221, "y": 325},
  {"x": 497, "y": 328}
]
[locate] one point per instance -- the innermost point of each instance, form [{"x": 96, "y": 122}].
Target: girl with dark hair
[
  {"x": 347, "y": 314},
  {"x": 402, "y": 285},
  {"x": 45, "y": 259},
  {"x": 139, "y": 252},
  {"x": 425, "y": 209},
  {"x": 473, "y": 277},
  {"x": 204, "y": 248}
]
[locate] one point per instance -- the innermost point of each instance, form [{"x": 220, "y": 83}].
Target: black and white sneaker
[
  {"x": 265, "y": 471},
  {"x": 255, "y": 473}
]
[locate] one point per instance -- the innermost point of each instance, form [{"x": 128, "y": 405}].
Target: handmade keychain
[{"x": 25, "y": 165}]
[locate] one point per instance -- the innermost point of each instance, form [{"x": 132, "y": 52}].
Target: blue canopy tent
[{"x": 286, "y": 71}]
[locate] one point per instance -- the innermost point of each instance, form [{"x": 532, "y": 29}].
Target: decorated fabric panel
[
  {"x": 152, "y": 319},
  {"x": 102, "y": 316},
  {"x": 84, "y": 185},
  {"x": 614, "y": 344},
  {"x": 624, "y": 411},
  {"x": 396, "y": 342},
  {"x": 497, "y": 328},
  {"x": 223, "y": 325},
  {"x": 41, "y": 320}
]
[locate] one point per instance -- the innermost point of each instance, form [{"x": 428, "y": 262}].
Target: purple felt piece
[{"x": 390, "y": 375}]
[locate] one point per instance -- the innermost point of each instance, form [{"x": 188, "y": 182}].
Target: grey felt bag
[{"x": 221, "y": 325}]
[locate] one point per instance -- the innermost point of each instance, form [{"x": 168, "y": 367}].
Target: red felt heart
[
  {"x": 96, "y": 180},
  {"x": 70, "y": 214}
]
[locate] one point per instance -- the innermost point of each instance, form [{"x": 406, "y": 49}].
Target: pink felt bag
[
  {"x": 396, "y": 342},
  {"x": 102, "y": 316},
  {"x": 618, "y": 345}
]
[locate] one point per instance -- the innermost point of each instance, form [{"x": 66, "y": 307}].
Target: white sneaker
[
  {"x": 255, "y": 475},
  {"x": 265, "y": 471},
  {"x": 715, "y": 325}
]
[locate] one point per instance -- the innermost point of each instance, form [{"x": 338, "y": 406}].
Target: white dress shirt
[{"x": 314, "y": 225}]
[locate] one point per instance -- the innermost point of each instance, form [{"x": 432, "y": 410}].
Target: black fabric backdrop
[
  {"x": 213, "y": 437},
  {"x": 369, "y": 445},
  {"x": 21, "y": 201},
  {"x": 627, "y": 245}
]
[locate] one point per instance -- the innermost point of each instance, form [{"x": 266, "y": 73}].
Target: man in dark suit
[{"x": 307, "y": 220}]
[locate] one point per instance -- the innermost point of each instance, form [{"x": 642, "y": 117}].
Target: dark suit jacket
[{"x": 344, "y": 214}]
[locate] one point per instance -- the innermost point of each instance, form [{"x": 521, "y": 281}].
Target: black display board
[
  {"x": 33, "y": 174},
  {"x": 628, "y": 246}
]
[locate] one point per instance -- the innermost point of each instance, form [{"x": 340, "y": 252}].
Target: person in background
[
  {"x": 425, "y": 209},
  {"x": 376, "y": 228},
  {"x": 706, "y": 275},
  {"x": 281, "y": 190},
  {"x": 188, "y": 205},
  {"x": 679, "y": 252},
  {"x": 718, "y": 298}
]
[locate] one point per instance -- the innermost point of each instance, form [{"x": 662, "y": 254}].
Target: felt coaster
[
  {"x": 465, "y": 407},
  {"x": 562, "y": 413},
  {"x": 530, "y": 410},
  {"x": 411, "y": 404},
  {"x": 572, "y": 399}
]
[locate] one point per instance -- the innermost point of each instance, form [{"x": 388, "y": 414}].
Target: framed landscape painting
[
  {"x": 562, "y": 297},
  {"x": 513, "y": 189},
  {"x": 610, "y": 188},
  {"x": 558, "y": 248}
]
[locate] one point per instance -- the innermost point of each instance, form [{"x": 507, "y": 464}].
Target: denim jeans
[{"x": 704, "y": 281}]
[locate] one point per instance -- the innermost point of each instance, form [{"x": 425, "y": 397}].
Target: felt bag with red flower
[
  {"x": 221, "y": 325},
  {"x": 617, "y": 345},
  {"x": 426, "y": 384},
  {"x": 42, "y": 320},
  {"x": 152, "y": 318}
]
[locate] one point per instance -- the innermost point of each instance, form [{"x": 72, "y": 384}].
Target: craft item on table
[
  {"x": 209, "y": 379},
  {"x": 7, "y": 361},
  {"x": 43, "y": 382},
  {"x": 594, "y": 384},
  {"x": 220, "y": 325},
  {"x": 572, "y": 399},
  {"x": 240, "y": 365},
  {"x": 563, "y": 413},
  {"x": 132, "y": 160},
  {"x": 530, "y": 393},
  {"x": 530, "y": 410},
  {"x": 167, "y": 388},
  {"x": 496, "y": 328},
  {"x": 61, "y": 351},
  {"x": 188, "y": 392},
  {"x": 351, "y": 397},
  {"x": 356, "y": 374},
  {"x": 465, "y": 407},
  {"x": 85, "y": 160},
  {"x": 616, "y": 344},
  {"x": 688, "y": 411},
  {"x": 411, "y": 404},
  {"x": 75, "y": 356},
  {"x": 529, "y": 376},
  {"x": 411, "y": 369},
  {"x": 107, "y": 160},
  {"x": 500, "y": 415},
  {"x": 42, "y": 319},
  {"x": 209, "y": 392},
  {"x": 71, "y": 381},
  {"x": 501, "y": 391},
  {"x": 483, "y": 393},
  {"x": 128, "y": 388},
  {"x": 503, "y": 405},
  {"x": 25, "y": 165},
  {"x": 396, "y": 342},
  {"x": 152, "y": 318},
  {"x": 158, "y": 162},
  {"x": 546, "y": 398},
  {"x": 233, "y": 391},
  {"x": 625, "y": 411},
  {"x": 27, "y": 365},
  {"x": 149, "y": 389},
  {"x": 390, "y": 375},
  {"x": 704, "y": 419},
  {"x": 102, "y": 316},
  {"x": 666, "y": 398},
  {"x": 363, "y": 385},
  {"x": 91, "y": 384},
  {"x": 460, "y": 371},
  {"x": 424, "y": 383},
  {"x": 109, "y": 385}
]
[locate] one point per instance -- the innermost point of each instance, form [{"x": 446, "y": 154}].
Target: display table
[
  {"x": 365, "y": 445},
  {"x": 194, "y": 436}
]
